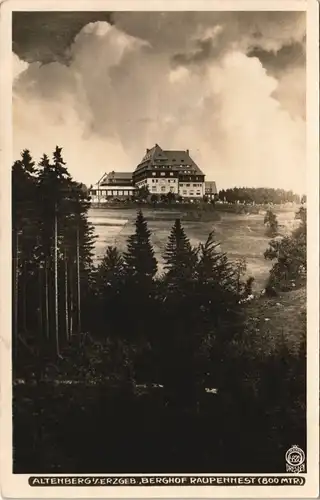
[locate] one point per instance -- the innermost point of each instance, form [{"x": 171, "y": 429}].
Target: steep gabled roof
[
  {"x": 178, "y": 160},
  {"x": 114, "y": 176}
]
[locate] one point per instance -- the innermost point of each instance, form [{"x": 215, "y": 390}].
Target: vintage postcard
[{"x": 159, "y": 249}]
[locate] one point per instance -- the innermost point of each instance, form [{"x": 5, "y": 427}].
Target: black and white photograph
[{"x": 158, "y": 266}]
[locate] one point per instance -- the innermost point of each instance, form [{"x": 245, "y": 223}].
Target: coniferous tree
[
  {"x": 218, "y": 291},
  {"x": 109, "y": 285},
  {"x": 270, "y": 220},
  {"x": 218, "y": 281},
  {"x": 53, "y": 183},
  {"x": 139, "y": 258},
  {"x": 23, "y": 239},
  {"x": 214, "y": 266},
  {"x": 179, "y": 256},
  {"x": 111, "y": 269}
]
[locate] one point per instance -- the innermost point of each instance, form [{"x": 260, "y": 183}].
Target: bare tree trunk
[
  {"x": 40, "y": 305},
  {"x": 47, "y": 300},
  {"x": 15, "y": 293},
  {"x": 66, "y": 293},
  {"x": 56, "y": 281},
  {"x": 71, "y": 302},
  {"x": 39, "y": 350},
  {"x": 24, "y": 298},
  {"x": 78, "y": 282}
]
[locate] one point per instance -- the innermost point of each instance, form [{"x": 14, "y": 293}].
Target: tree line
[
  {"x": 259, "y": 196},
  {"x": 52, "y": 244}
]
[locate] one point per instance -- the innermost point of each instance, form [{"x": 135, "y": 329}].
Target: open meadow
[{"x": 240, "y": 235}]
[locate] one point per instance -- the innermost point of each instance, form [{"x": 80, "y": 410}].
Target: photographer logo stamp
[{"x": 295, "y": 458}]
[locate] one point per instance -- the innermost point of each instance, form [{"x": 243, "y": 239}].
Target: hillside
[{"x": 274, "y": 320}]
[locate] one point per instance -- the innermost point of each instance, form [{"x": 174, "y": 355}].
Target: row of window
[
  {"x": 188, "y": 185},
  {"x": 173, "y": 159},
  {"x": 179, "y": 166},
  {"x": 111, "y": 192},
  {"x": 191, "y": 193},
  {"x": 169, "y": 180},
  {"x": 162, "y": 174},
  {"x": 163, "y": 189}
]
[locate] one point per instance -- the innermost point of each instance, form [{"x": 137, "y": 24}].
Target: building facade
[
  {"x": 112, "y": 186},
  {"x": 210, "y": 190},
  {"x": 162, "y": 172},
  {"x": 169, "y": 171}
]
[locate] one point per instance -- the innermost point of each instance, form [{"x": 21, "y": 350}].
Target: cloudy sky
[{"x": 229, "y": 86}]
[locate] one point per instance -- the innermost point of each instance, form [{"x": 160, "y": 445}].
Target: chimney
[
  {"x": 187, "y": 151},
  {"x": 147, "y": 150}
]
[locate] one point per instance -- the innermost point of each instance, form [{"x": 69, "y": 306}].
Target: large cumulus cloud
[{"x": 183, "y": 80}]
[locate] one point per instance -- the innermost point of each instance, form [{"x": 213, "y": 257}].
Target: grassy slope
[{"x": 272, "y": 320}]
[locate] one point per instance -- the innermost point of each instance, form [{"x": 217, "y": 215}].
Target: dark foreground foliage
[
  {"x": 82, "y": 429},
  {"x": 289, "y": 256}
]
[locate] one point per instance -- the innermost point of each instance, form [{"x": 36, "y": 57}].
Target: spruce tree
[
  {"x": 179, "y": 256},
  {"x": 218, "y": 280},
  {"x": 24, "y": 236},
  {"x": 109, "y": 288},
  {"x": 270, "y": 220},
  {"x": 140, "y": 261},
  {"x": 217, "y": 294},
  {"x": 111, "y": 270}
]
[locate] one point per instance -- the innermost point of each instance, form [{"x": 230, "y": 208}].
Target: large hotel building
[{"x": 161, "y": 171}]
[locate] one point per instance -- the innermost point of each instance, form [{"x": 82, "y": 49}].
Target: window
[
  {"x": 184, "y": 191},
  {"x": 154, "y": 188},
  {"x": 121, "y": 193},
  {"x": 198, "y": 193},
  {"x": 157, "y": 180},
  {"x": 153, "y": 173},
  {"x": 182, "y": 161},
  {"x": 94, "y": 192},
  {"x": 195, "y": 185},
  {"x": 109, "y": 192},
  {"x": 171, "y": 189},
  {"x": 191, "y": 193},
  {"x": 187, "y": 185},
  {"x": 152, "y": 180},
  {"x": 115, "y": 192},
  {"x": 171, "y": 173},
  {"x": 162, "y": 174},
  {"x": 163, "y": 188}
]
